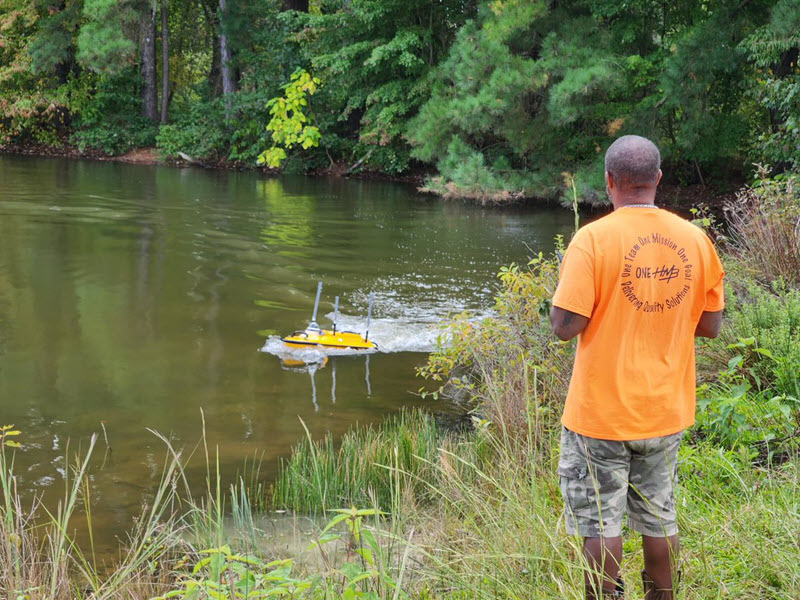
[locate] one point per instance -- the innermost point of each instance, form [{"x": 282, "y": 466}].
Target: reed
[
  {"x": 378, "y": 464},
  {"x": 40, "y": 559},
  {"x": 765, "y": 229}
]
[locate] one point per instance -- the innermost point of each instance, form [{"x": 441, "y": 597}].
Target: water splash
[{"x": 391, "y": 335}]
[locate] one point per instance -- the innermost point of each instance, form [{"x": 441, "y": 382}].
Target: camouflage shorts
[{"x": 640, "y": 475}]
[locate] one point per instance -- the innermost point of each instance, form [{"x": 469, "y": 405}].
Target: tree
[
  {"x": 148, "y": 64},
  {"x": 164, "y": 60},
  {"x": 289, "y": 126},
  {"x": 533, "y": 89},
  {"x": 374, "y": 56},
  {"x": 228, "y": 82},
  {"x": 107, "y": 38},
  {"x": 774, "y": 50}
]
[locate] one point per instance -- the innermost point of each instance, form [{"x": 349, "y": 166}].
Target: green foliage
[
  {"x": 289, "y": 123},
  {"x": 510, "y": 361},
  {"x": 374, "y": 56},
  {"x": 753, "y": 401},
  {"x": 733, "y": 412},
  {"x": 364, "y": 572},
  {"x": 29, "y": 110},
  {"x": 770, "y": 318},
  {"x": 531, "y": 89},
  {"x": 773, "y": 50},
  {"x": 481, "y": 97},
  {"x": 200, "y": 133},
  {"x": 51, "y": 46},
  {"x": 226, "y": 576},
  {"x": 109, "y": 115},
  {"x": 107, "y": 38},
  {"x": 500, "y": 96}
]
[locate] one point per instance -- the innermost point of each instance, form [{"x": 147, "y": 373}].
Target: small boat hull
[{"x": 328, "y": 339}]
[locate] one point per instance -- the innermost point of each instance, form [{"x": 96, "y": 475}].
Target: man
[{"x": 637, "y": 285}]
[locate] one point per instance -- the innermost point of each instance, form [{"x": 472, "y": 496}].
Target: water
[{"x": 133, "y": 297}]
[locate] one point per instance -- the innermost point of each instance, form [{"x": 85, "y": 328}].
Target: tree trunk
[
  {"x": 149, "y": 76},
  {"x": 228, "y": 83},
  {"x": 165, "y": 95},
  {"x": 214, "y": 77}
]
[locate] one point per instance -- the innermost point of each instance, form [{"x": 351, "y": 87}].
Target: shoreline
[{"x": 670, "y": 195}]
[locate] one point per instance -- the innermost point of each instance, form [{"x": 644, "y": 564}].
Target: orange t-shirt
[{"x": 643, "y": 276}]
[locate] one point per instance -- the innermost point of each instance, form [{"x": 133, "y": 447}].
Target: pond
[{"x": 137, "y": 298}]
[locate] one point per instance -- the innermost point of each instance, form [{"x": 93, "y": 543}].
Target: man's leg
[
  {"x": 604, "y": 555},
  {"x": 651, "y": 510},
  {"x": 660, "y": 559},
  {"x": 594, "y": 483}
]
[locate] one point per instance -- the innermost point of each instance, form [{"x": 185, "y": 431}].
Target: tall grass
[
  {"x": 40, "y": 559},
  {"x": 372, "y": 465},
  {"x": 488, "y": 522},
  {"x": 765, "y": 226}
]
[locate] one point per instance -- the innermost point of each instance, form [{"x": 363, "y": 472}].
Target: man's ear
[
  {"x": 659, "y": 177},
  {"x": 610, "y": 180}
]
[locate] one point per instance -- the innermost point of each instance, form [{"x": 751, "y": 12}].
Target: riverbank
[
  {"x": 672, "y": 195},
  {"x": 151, "y": 156}
]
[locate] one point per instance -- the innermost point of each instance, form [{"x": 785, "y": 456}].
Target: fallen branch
[{"x": 360, "y": 162}]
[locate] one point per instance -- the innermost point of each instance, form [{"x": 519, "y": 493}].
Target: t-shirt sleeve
[
  {"x": 715, "y": 288},
  {"x": 575, "y": 291}
]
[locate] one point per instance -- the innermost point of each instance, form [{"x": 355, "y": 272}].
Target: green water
[{"x": 133, "y": 297}]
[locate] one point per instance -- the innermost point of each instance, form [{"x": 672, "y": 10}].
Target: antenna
[
  {"x": 369, "y": 314},
  {"x": 335, "y": 313},
  {"x": 313, "y": 324}
]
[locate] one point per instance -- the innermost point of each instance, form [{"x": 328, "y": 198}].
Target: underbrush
[
  {"x": 488, "y": 522},
  {"x": 765, "y": 227},
  {"x": 511, "y": 358}
]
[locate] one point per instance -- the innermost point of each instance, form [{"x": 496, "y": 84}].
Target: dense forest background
[{"x": 499, "y": 98}]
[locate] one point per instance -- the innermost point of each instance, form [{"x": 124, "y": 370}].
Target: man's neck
[{"x": 648, "y": 200}]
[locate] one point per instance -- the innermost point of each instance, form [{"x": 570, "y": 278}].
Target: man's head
[{"x": 633, "y": 170}]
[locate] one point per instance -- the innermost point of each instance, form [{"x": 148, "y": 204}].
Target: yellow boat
[
  {"x": 329, "y": 339},
  {"x": 314, "y": 336}
]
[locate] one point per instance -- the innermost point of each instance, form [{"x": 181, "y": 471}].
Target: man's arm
[
  {"x": 566, "y": 324},
  {"x": 709, "y": 324}
]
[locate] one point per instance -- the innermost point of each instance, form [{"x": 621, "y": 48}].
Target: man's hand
[
  {"x": 709, "y": 324},
  {"x": 566, "y": 324}
]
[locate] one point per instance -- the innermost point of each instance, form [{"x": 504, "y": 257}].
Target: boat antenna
[
  {"x": 335, "y": 313},
  {"x": 369, "y": 314},
  {"x": 313, "y": 325}
]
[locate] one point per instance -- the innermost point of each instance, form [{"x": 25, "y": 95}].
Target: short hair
[{"x": 633, "y": 161}]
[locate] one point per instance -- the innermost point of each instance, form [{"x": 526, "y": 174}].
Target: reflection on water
[
  {"x": 327, "y": 361},
  {"x": 132, "y": 297}
]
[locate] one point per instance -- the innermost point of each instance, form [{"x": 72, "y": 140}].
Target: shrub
[
  {"x": 109, "y": 117},
  {"x": 734, "y": 413},
  {"x": 510, "y": 361},
  {"x": 762, "y": 328},
  {"x": 765, "y": 227},
  {"x": 200, "y": 133},
  {"x": 751, "y": 394}
]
